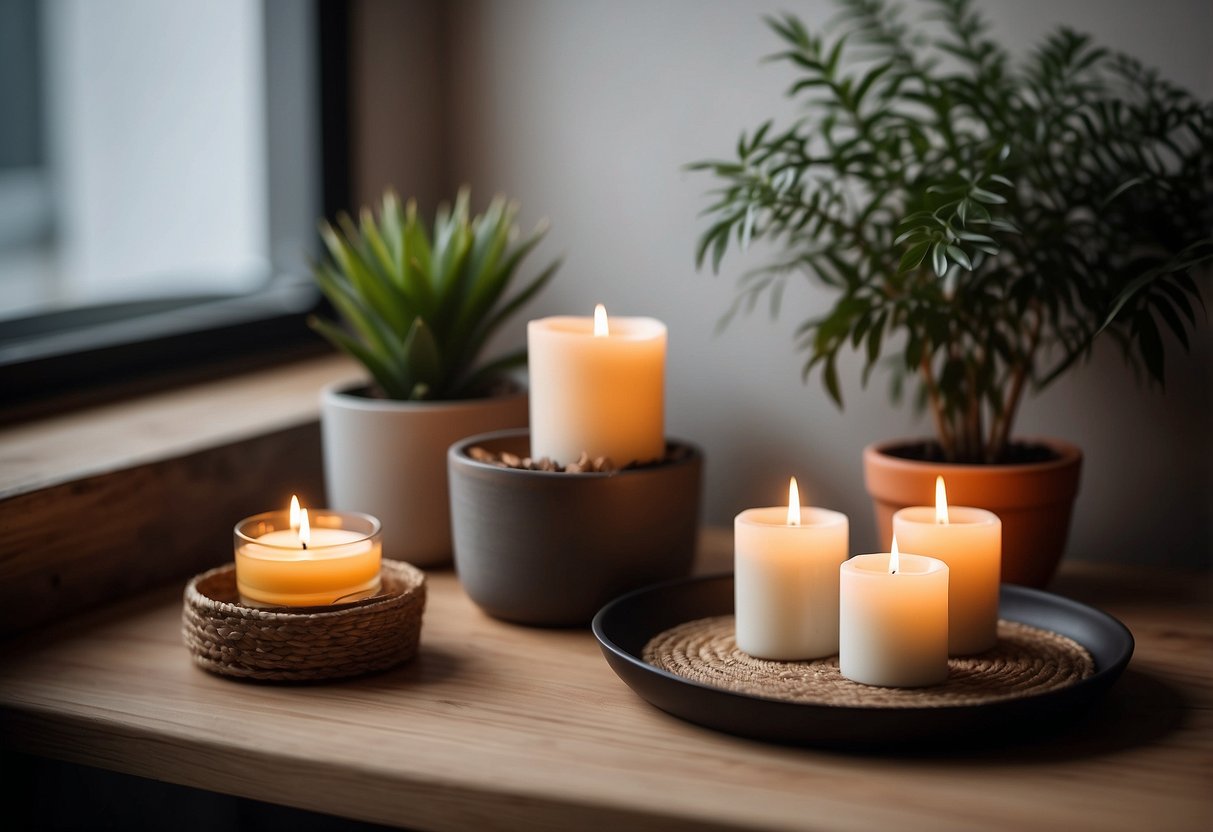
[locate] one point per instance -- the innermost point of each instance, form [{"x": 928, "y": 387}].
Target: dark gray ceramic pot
[{"x": 550, "y": 549}]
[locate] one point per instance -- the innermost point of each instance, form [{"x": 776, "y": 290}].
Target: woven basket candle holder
[
  {"x": 1027, "y": 661},
  {"x": 303, "y": 644}
]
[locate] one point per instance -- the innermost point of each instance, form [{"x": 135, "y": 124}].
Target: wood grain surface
[
  {"x": 506, "y": 727},
  {"x": 111, "y": 500}
]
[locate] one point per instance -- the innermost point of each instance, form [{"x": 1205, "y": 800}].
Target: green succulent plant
[
  {"x": 419, "y": 307},
  {"x": 980, "y": 216}
]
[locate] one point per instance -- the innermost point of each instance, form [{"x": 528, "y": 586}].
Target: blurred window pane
[{"x": 154, "y": 155}]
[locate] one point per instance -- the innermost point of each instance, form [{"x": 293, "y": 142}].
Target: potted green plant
[
  {"x": 418, "y": 308},
  {"x": 981, "y": 219}
]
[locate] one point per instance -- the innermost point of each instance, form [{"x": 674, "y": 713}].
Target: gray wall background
[{"x": 587, "y": 113}]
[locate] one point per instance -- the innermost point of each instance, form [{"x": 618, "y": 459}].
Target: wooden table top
[{"x": 511, "y": 727}]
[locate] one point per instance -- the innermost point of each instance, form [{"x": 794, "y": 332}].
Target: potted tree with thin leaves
[
  {"x": 982, "y": 219},
  {"x": 419, "y": 307}
]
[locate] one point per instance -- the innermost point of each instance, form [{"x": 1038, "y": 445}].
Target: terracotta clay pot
[{"x": 1033, "y": 500}]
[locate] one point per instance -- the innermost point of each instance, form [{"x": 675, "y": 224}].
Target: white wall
[{"x": 586, "y": 112}]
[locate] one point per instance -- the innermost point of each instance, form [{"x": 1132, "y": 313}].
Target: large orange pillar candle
[
  {"x": 969, "y": 541},
  {"x": 893, "y": 620},
  {"x": 291, "y": 559},
  {"x": 785, "y": 567},
  {"x": 597, "y": 386}
]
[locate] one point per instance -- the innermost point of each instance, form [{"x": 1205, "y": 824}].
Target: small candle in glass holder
[{"x": 296, "y": 559}]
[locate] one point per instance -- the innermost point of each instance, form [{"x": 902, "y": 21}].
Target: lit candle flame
[
  {"x": 600, "y": 322},
  {"x": 294, "y": 513},
  {"x": 305, "y": 528},
  {"x": 793, "y": 503},
  {"x": 894, "y": 558},
  {"x": 941, "y": 502}
]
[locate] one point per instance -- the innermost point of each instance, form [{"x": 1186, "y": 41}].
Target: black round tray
[{"x": 625, "y": 625}]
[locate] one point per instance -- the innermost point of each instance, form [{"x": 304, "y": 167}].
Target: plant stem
[
  {"x": 1000, "y": 430},
  {"x": 973, "y": 427},
  {"x": 942, "y": 429}
]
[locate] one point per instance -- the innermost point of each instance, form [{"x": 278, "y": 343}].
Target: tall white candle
[
  {"x": 599, "y": 392},
  {"x": 969, "y": 541},
  {"x": 786, "y": 561},
  {"x": 893, "y": 620}
]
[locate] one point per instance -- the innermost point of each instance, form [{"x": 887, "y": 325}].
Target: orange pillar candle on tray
[
  {"x": 969, "y": 541},
  {"x": 293, "y": 559},
  {"x": 786, "y": 564},
  {"x": 597, "y": 386},
  {"x": 893, "y": 620}
]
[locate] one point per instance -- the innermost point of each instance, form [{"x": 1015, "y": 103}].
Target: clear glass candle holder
[{"x": 340, "y": 564}]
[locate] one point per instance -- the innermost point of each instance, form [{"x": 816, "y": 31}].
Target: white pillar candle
[
  {"x": 893, "y": 620},
  {"x": 786, "y": 561},
  {"x": 969, "y": 541},
  {"x": 602, "y": 393}
]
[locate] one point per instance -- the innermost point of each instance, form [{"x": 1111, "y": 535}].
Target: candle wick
[{"x": 304, "y": 545}]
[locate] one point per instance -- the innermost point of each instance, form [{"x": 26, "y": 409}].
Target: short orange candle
[{"x": 293, "y": 559}]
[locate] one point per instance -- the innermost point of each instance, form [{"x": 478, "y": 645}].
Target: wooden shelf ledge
[
  {"x": 101, "y": 503},
  {"x": 507, "y": 727}
]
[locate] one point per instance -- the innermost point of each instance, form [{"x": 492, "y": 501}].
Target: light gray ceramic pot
[
  {"x": 550, "y": 549},
  {"x": 388, "y": 459}
]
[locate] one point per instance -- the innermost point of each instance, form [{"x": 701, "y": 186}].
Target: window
[{"x": 161, "y": 176}]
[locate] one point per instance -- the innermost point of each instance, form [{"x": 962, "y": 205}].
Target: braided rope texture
[
  {"x": 1027, "y": 661},
  {"x": 289, "y": 644}
]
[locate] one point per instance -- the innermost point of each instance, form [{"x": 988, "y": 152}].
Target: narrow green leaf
[
  {"x": 1120, "y": 189},
  {"x": 988, "y": 197},
  {"x": 376, "y": 333},
  {"x": 490, "y": 325},
  {"x": 913, "y": 256},
  {"x": 1171, "y": 318},
  {"x": 971, "y": 237},
  {"x": 418, "y": 263},
  {"x": 938, "y": 261},
  {"x": 383, "y": 374},
  {"x": 381, "y": 295},
  {"x": 832, "y": 59},
  {"x": 392, "y": 220},
  {"x": 381, "y": 260},
  {"x": 869, "y": 79},
  {"x": 875, "y": 337},
  {"x": 1181, "y": 301},
  {"x": 1150, "y": 345},
  {"x": 829, "y": 376},
  {"x": 958, "y": 255},
  {"x": 422, "y": 359}
]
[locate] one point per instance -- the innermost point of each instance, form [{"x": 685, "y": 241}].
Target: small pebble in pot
[{"x": 583, "y": 465}]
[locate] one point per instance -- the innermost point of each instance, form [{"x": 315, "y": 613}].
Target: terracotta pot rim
[
  {"x": 341, "y": 393},
  {"x": 458, "y": 455},
  {"x": 1067, "y": 454}
]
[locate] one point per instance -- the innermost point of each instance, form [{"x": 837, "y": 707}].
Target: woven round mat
[
  {"x": 1027, "y": 661},
  {"x": 306, "y": 643}
]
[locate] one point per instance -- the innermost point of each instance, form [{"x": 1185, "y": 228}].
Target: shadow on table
[{"x": 1139, "y": 710}]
